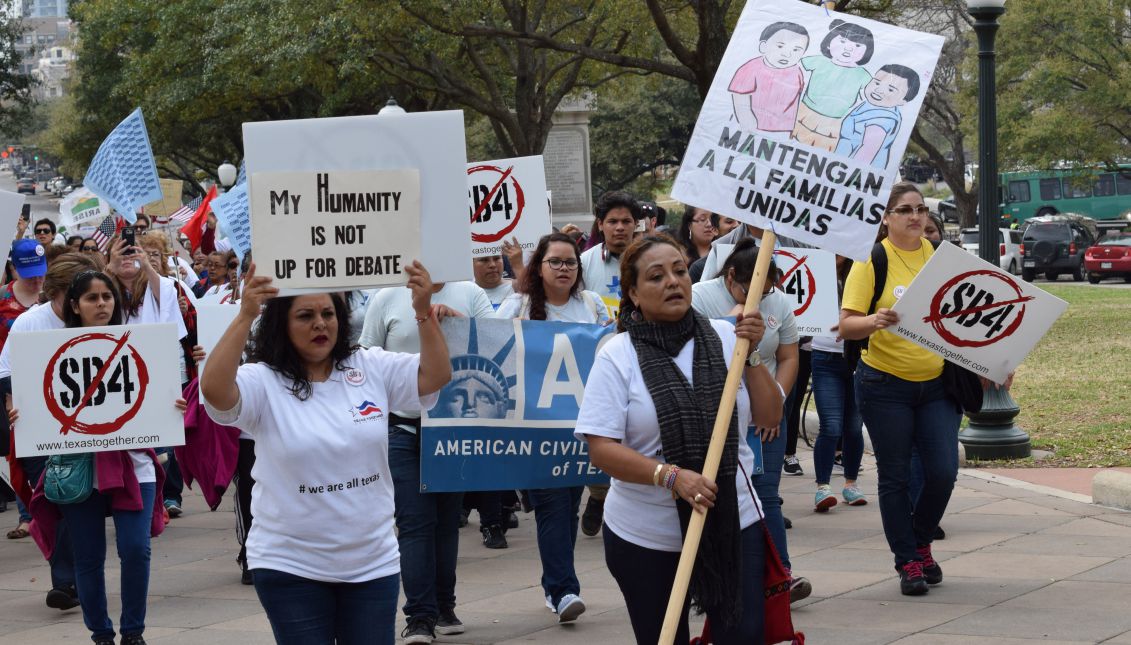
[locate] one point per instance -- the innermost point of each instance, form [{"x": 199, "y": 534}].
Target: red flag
[{"x": 194, "y": 228}]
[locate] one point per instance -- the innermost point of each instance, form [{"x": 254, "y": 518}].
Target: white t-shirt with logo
[
  {"x": 712, "y": 299},
  {"x": 617, "y": 405},
  {"x": 601, "y": 272},
  {"x": 323, "y": 497},
  {"x": 500, "y": 293}
]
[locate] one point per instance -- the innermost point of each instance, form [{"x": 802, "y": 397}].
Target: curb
[
  {"x": 1036, "y": 488},
  {"x": 1112, "y": 488}
]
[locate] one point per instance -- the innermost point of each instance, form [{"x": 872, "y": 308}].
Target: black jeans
[
  {"x": 794, "y": 411},
  {"x": 244, "y": 484},
  {"x": 645, "y": 578}
]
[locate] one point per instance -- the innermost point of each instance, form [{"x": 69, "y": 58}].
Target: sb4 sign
[
  {"x": 78, "y": 377},
  {"x": 808, "y": 280}
]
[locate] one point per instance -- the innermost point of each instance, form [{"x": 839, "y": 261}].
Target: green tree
[
  {"x": 1064, "y": 83},
  {"x": 15, "y": 86}
]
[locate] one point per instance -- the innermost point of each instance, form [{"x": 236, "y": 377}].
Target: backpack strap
[
  {"x": 591, "y": 301},
  {"x": 879, "y": 275}
]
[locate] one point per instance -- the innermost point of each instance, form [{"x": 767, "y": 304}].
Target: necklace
[{"x": 922, "y": 254}]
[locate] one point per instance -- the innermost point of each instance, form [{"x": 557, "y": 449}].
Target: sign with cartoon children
[
  {"x": 805, "y": 123},
  {"x": 506, "y": 418}
]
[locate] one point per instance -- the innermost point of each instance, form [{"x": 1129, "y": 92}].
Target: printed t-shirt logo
[{"x": 367, "y": 408}]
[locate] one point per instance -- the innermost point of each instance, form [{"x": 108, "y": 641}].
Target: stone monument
[{"x": 566, "y": 158}]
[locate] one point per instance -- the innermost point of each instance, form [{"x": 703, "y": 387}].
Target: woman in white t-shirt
[
  {"x": 322, "y": 550},
  {"x": 725, "y": 295},
  {"x": 648, "y": 414},
  {"x": 551, "y": 289}
]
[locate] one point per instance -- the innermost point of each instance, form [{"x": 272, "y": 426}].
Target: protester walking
[
  {"x": 901, "y": 395},
  {"x": 552, "y": 289},
  {"x": 322, "y": 550},
  {"x": 648, "y": 412}
]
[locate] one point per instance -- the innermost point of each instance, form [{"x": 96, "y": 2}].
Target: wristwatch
[{"x": 754, "y": 359}]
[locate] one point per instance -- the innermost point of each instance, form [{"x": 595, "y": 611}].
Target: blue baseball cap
[{"x": 29, "y": 258}]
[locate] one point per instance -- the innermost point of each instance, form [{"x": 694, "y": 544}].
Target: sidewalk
[{"x": 1020, "y": 565}]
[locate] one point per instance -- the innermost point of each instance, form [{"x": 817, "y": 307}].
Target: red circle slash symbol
[
  {"x": 798, "y": 281},
  {"x": 977, "y": 308},
  {"x": 89, "y": 382},
  {"x": 493, "y": 212}
]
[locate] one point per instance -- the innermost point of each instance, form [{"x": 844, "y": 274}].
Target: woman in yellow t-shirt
[{"x": 900, "y": 393}]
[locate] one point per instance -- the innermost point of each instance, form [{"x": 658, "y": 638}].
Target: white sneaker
[
  {"x": 570, "y": 607},
  {"x": 550, "y": 604}
]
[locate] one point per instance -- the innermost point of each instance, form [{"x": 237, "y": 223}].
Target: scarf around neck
[{"x": 686, "y": 414}]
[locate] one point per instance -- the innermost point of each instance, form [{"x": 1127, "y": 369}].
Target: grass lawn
[{"x": 1074, "y": 389}]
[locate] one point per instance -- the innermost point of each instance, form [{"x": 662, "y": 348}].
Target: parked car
[
  {"x": 25, "y": 185},
  {"x": 1055, "y": 244},
  {"x": 948, "y": 211},
  {"x": 1009, "y": 247},
  {"x": 1109, "y": 258}
]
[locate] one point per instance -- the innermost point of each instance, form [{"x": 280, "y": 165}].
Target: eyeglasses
[
  {"x": 156, "y": 255},
  {"x": 43, "y": 231},
  {"x": 558, "y": 264},
  {"x": 906, "y": 210}
]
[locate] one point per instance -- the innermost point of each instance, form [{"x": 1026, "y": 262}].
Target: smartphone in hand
[{"x": 129, "y": 239}]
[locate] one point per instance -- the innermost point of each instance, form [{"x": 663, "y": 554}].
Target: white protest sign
[
  {"x": 345, "y": 229},
  {"x": 212, "y": 321},
  {"x": 505, "y": 201},
  {"x": 93, "y": 389},
  {"x": 805, "y": 123},
  {"x": 82, "y": 206},
  {"x": 973, "y": 314},
  {"x": 430, "y": 143},
  {"x": 231, "y": 209},
  {"x": 10, "y": 206},
  {"x": 809, "y": 284}
]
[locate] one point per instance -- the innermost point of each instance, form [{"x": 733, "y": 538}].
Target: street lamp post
[
  {"x": 227, "y": 174},
  {"x": 991, "y": 433}
]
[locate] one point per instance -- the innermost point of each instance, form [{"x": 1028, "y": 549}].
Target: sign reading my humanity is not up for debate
[
  {"x": 973, "y": 314},
  {"x": 92, "y": 389},
  {"x": 314, "y": 183},
  {"x": 806, "y": 122}
]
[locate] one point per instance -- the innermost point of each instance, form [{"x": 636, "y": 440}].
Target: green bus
[{"x": 1099, "y": 194}]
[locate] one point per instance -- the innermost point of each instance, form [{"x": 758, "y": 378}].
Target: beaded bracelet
[
  {"x": 656, "y": 474},
  {"x": 669, "y": 481},
  {"x": 431, "y": 313}
]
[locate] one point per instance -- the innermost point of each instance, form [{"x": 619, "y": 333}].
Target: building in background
[
  {"x": 45, "y": 54},
  {"x": 43, "y": 8}
]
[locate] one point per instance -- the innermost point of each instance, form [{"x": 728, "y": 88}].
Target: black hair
[
  {"x": 532, "y": 282},
  {"x": 742, "y": 259},
  {"x": 80, "y": 284},
  {"x": 617, "y": 199},
  {"x": 629, "y": 274},
  {"x": 46, "y": 221},
  {"x": 271, "y": 345},
  {"x": 774, "y": 28},
  {"x": 853, "y": 32},
  {"x": 73, "y": 238},
  {"x": 148, "y": 222},
  {"x": 907, "y": 74},
  {"x": 684, "y": 232}
]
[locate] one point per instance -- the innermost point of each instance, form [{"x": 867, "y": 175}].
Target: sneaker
[
  {"x": 824, "y": 499},
  {"x": 939, "y": 533},
  {"x": 418, "y": 630},
  {"x": 512, "y": 521},
  {"x": 104, "y": 641},
  {"x": 932, "y": 572},
  {"x": 799, "y": 589},
  {"x": 493, "y": 537},
  {"x": 63, "y": 598},
  {"x": 570, "y": 607},
  {"x": 792, "y": 466},
  {"x": 550, "y": 604},
  {"x": 853, "y": 496},
  {"x": 838, "y": 463},
  {"x": 173, "y": 508},
  {"x": 911, "y": 579},
  {"x": 591, "y": 518},
  {"x": 448, "y": 624},
  {"x": 463, "y": 513},
  {"x": 132, "y": 639}
]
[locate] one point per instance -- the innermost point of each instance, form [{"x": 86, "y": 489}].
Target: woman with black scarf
[{"x": 648, "y": 411}]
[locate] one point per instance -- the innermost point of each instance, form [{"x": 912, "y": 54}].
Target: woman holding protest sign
[
  {"x": 901, "y": 395},
  {"x": 648, "y": 412},
  {"x": 724, "y": 296},
  {"x": 551, "y": 289},
  {"x": 125, "y": 486},
  {"x": 322, "y": 550}
]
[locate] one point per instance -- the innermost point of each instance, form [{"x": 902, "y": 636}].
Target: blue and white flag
[
  {"x": 241, "y": 177},
  {"x": 506, "y": 418},
  {"x": 231, "y": 209},
  {"x": 123, "y": 171}
]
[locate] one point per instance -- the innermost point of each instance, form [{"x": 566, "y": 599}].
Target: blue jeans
[
  {"x": 304, "y": 611},
  {"x": 645, "y": 578},
  {"x": 835, "y": 396},
  {"x": 766, "y": 485},
  {"x": 87, "y": 521},
  {"x": 427, "y": 530},
  {"x": 900, "y": 415},
  {"x": 62, "y": 560},
  {"x": 555, "y": 513}
]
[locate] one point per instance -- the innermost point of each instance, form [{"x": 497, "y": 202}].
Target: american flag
[
  {"x": 105, "y": 231},
  {"x": 184, "y": 213}
]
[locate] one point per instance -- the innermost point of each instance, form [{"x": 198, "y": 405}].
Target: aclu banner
[
  {"x": 805, "y": 123},
  {"x": 506, "y": 418}
]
